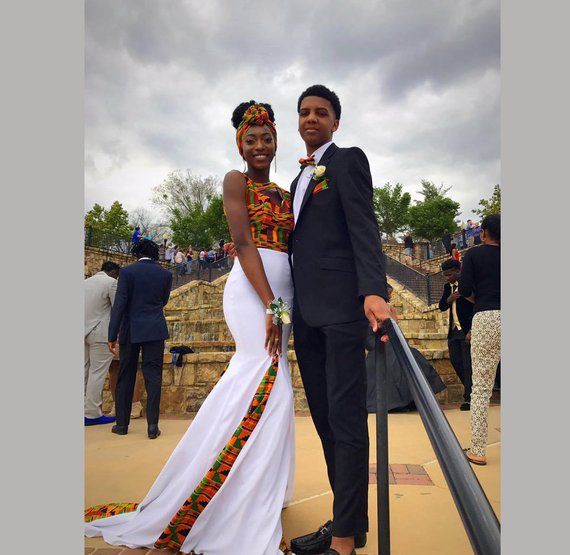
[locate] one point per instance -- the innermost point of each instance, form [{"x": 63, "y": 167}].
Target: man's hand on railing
[{"x": 376, "y": 310}]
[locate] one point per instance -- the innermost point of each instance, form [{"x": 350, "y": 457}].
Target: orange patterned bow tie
[{"x": 310, "y": 161}]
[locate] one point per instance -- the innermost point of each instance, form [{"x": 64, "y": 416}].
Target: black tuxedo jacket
[
  {"x": 335, "y": 248},
  {"x": 137, "y": 316},
  {"x": 464, "y": 309}
]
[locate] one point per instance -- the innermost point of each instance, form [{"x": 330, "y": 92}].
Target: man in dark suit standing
[
  {"x": 138, "y": 320},
  {"x": 459, "y": 332},
  {"x": 340, "y": 288}
]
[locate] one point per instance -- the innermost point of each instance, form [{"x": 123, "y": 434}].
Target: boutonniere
[
  {"x": 319, "y": 172},
  {"x": 319, "y": 175}
]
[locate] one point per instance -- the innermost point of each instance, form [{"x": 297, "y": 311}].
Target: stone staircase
[{"x": 195, "y": 318}]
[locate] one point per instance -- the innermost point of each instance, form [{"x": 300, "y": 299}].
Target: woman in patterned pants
[{"x": 480, "y": 283}]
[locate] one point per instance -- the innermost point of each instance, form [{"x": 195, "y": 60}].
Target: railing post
[
  {"x": 382, "y": 469},
  {"x": 89, "y": 236},
  {"x": 210, "y": 273},
  {"x": 428, "y": 285}
]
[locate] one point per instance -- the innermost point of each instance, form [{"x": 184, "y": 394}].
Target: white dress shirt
[{"x": 305, "y": 179}]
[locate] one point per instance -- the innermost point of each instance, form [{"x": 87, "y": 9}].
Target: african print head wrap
[{"x": 254, "y": 115}]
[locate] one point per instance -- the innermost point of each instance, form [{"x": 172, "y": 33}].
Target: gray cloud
[{"x": 418, "y": 80}]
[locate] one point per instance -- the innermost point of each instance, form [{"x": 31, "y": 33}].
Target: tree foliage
[
  {"x": 199, "y": 227},
  {"x": 115, "y": 220},
  {"x": 182, "y": 191},
  {"x": 391, "y": 207},
  {"x": 434, "y": 216},
  {"x": 431, "y": 191},
  {"x": 490, "y": 206}
]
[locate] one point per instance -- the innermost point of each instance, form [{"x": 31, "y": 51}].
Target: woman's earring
[
  {"x": 275, "y": 162},
  {"x": 244, "y": 166}
]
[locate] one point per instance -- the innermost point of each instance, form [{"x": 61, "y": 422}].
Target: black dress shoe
[
  {"x": 465, "y": 406},
  {"x": 314, "y": 543},
  {"x": 318, "y": 542},
  {"x": 120, "y": 430},
  {"x": 153, "y": 432}
]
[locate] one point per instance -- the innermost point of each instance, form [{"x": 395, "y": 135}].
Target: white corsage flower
[
  {"x": 280, "y": 311},
  {"x": 319, "y": 172}
]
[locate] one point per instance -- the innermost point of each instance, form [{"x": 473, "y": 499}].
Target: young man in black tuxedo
[
  {"x": 340, "y": 289},
  {"x": 138, "y": 320},
  {"x": 459, "y": 332}
]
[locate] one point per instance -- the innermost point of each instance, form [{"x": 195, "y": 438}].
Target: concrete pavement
[{"x": 424, "y": 520}]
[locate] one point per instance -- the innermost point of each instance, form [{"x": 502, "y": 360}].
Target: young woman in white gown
[{"x": 223, "y": 488}]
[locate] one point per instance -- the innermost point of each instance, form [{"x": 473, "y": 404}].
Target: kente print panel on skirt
[
  {"x": 181, "y": 524},
  {"x": 110, "y": 509},
  {"x": 270, "y": 222}
]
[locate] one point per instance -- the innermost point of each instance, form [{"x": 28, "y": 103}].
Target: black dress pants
[
  {"x": 152, "y": 357},
  {"x": 460, "y": 356},
  {"x": 333, "y": 369}
]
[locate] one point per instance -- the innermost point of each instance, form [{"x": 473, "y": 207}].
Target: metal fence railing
[
  {"x": 107, "y": 241},
  {"x": 427, "y": 287},
  {"x": 206, "y": 270},
  {"x": 479, "y": 520}
]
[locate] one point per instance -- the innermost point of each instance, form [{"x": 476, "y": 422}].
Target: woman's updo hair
[{"x": 237, "y": 116}]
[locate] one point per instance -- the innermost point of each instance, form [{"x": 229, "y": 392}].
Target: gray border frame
[{"x": 42, "y": 118}]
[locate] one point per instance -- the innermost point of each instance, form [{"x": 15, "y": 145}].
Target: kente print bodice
[{"x": 271, "y": 222}]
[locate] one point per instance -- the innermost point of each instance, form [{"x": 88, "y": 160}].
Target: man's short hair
[
  {"x": 109, "y": 266},
  {"x": 322, "y": 92},
  {"x": 450, "y": 264},
  {"x": 145, "y": 247},
  {"x": 491, "y": 224}
]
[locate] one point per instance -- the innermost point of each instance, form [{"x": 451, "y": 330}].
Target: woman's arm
[{"x": 234, "y": 189}]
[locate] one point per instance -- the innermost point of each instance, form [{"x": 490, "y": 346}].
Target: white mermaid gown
[{"x": 243, "y": 516}]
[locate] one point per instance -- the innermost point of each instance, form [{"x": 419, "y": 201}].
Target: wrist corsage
[{"x": 281, "y": 311}]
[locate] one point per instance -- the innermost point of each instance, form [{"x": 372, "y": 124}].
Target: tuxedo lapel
[{"x": 327, "y": 155}]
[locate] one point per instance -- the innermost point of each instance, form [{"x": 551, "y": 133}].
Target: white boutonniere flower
[{"x": 319, "y": 172}]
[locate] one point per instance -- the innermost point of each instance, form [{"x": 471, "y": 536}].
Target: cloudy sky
[{"x": 418, "y": 81}]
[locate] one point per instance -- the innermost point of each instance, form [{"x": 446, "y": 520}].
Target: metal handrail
[{"x": 479, "y": 519}]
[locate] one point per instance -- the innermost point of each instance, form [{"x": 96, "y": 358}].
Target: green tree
[
  {"x": 431, "y": 218},
  {"x": 431, "y": 190},
  {"x": 490, "y": 206},
  {"x": 115, "y": 220},
  {"x": 391, "y": 207},
  {"x": 199, "y": 227},
  {"x": 95, "y": 218}
]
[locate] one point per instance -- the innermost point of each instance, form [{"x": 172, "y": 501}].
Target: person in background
[
  {"x": 477, "y": 235},
  {"x": 455, "y": 254},
  {"x": 470, "y": 231},
  {"x": 137, "y": 320},
  {"x": 169, "y": 254},
  {"x": 100, "y": 291},
  {"x": 202, "y": 257},
  {"x": 189, "y": 258},
  {"x": 480, "y": 282},
  {"x": 408, "y": 245},
  {"x": 162, "y": 251},
  {"x": 446, "y": 242},
  {"x": 458, "y": 334},
  {"x": 180, "y": 261},
  {"x": 136, "y": 236},
  {"x": 211, "y": 255}
]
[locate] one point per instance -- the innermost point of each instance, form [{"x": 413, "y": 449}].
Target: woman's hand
[{"x": 273, "y": 336}]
